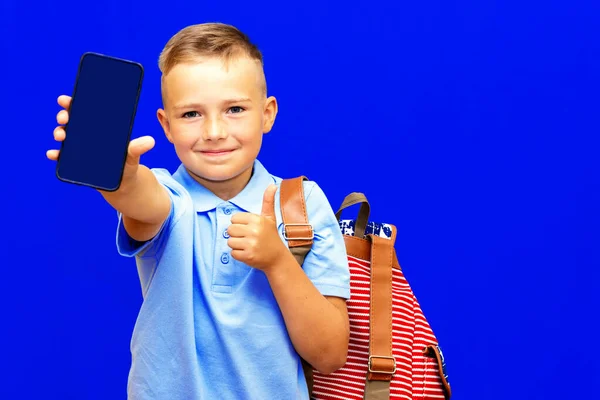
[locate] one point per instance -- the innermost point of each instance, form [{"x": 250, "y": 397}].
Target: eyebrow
[{"x": 226, "y": 102}]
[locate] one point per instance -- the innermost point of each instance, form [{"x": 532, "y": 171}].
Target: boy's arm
[
  {"x": 311, "y": 297},
  {"x": 318, "y": 325},
  {"x": 143, "y": 202}
]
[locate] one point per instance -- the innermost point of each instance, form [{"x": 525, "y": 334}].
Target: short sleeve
[
  {"x": 326, "y": 264},
  {"x": 127, "y": 246}
]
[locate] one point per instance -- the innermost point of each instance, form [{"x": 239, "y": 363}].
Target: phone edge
[{"x": 137, "y": 99}]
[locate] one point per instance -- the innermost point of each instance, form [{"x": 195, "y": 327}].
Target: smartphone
[{"x": 101, "y": 115}]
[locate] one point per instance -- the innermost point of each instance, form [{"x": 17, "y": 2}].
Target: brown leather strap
[
  {"x": 382, "y": 364},
  {"x": 300, "y": 253},
  {"x": 296, "y": 228},
  {"x": 377, "y": 390},
  {"x": 434, "y": 351},
  {"x": 299, "y": 234},
  {"x": 360, "y": 223},
  {"x": 352, "y": 199},
  {"x": 361, "y": 249}
]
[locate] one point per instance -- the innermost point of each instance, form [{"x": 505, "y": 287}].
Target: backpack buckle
[
  {"x": 310, "y": 229},
  {"x": 387, "y": 372}
]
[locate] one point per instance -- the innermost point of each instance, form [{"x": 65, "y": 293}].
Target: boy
[{"x": 227, "y": 311}]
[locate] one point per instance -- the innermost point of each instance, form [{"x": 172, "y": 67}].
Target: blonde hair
[{"x": 207, "y": 40}]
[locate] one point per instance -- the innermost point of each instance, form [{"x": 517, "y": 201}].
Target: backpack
[{"x": 393, "y": 353}]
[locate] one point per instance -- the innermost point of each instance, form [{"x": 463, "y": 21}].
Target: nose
[{"x": 214, "y": 130}]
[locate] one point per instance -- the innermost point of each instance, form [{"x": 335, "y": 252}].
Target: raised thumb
[
  {"x": 139, "y": 146},
  {"x": 268, "y": 206}
]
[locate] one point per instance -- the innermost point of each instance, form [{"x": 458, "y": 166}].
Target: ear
[
  {"x": 164, "y": 122},
  {"x": 269, "y": 114}
]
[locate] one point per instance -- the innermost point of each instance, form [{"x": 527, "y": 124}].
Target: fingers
[
  {"x": 59, "y": 134},
  {"x": 52, "y": 155},
  {"x": 244, "y": 218},
  {"x": 239, "y": 255},
  {"x": 62, "y": 117},
  {"x": 239, "y": 230},
  {"x": 237, "y": 243},
  {"x": 64, "y": 101}
]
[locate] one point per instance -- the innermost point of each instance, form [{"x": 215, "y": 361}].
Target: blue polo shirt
[{"x": 209, "y": 326}]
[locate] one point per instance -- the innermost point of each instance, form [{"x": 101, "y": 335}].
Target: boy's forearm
[
  {"x": 318, "y": 329},
  {"x": 143, "y": 199}
]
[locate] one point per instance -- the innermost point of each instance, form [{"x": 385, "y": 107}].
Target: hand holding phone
[
  {"x": 136, "y": 148},
  {"x": 96, "y": 124}
]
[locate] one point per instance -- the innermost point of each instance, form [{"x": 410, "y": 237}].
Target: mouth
[{"x": 216, "y": 153}]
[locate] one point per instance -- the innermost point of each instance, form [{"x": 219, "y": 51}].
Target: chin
[{"x": 214, "y": 173}]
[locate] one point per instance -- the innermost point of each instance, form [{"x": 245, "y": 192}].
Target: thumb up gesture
[{"x": 254, "y": 239}]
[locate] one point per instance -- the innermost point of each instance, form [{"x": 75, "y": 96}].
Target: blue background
[{"x": 482, "y": 116}]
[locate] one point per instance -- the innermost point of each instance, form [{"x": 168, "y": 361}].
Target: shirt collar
[{"x": 249, "y": 199}]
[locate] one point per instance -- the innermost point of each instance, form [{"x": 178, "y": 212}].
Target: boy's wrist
[
  {"x": 281, "y": 266},
  {"x": 128, "y": 185}
]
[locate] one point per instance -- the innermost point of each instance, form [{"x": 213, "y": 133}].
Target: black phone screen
[{"x": 101, "y": 115}]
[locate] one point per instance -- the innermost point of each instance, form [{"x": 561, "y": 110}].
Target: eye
[
  {"x": 190, "y": 114},
  {"x": 236, "y": 109}
]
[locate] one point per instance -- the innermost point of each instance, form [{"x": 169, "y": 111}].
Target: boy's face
[{"x": 215, "y": 116}]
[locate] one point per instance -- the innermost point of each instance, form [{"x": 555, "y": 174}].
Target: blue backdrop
[{"x": 471, "y": 126}]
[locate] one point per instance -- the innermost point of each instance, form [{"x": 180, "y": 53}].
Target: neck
[{"x": 227, "y": 189}]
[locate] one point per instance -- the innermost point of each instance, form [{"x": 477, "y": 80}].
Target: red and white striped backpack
[{"x": 393, "y": 352}]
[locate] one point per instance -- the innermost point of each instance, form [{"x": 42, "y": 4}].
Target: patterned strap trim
[{"x": 374, "y": 228}]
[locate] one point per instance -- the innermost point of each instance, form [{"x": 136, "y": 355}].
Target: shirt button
[
  {"x": 225, "y": 234},
  {"x": 227, "y": 211},
  {"x": 224, "y": 258}
]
